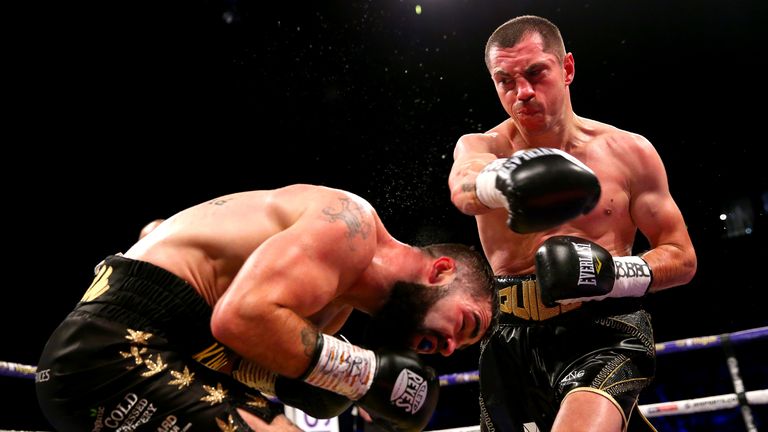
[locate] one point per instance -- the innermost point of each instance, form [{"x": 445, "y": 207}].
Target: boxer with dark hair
[
  {"x": 571, "y": 347},
  {"x": 238, "y": 297}
]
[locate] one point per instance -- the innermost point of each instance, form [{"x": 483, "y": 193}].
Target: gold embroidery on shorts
[
  {"x": 524, "y": 301},
  {"x": 183, "y": 379},
  {"x": 99, "y": 286},
  {"x": 154, "y": 366},
  {"x": 214, "y": 357},
  {"x": 136, "y": 354},
  {"x": 256, "y": 401},
  {"x": 227, "y": 426},
  {"x": 138, "y": 336},
  {"x": 215, "y": 395}
]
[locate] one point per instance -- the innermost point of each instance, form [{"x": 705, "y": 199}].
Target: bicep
[
  {"x": 659, "y": 219},
  {"x": 653, "y": 209}
]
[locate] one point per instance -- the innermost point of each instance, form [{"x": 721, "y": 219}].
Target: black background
[{"x": 117, "y": 113}]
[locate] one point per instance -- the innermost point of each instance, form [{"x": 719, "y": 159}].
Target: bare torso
[
  {"x": 603, "y": 148},
  {"x": 206, "y": 245}
]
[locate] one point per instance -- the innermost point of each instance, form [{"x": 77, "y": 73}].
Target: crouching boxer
[{"x": 240, "y": 296}]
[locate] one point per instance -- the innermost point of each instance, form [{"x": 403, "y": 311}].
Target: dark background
[{"x": 117, "y": 113}]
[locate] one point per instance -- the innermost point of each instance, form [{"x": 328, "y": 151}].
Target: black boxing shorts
[
  {"x": 137, "y": 354},
  {"x": 528, "y": 367}
]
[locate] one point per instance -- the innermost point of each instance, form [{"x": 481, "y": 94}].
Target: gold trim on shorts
[{"x": 527, "y": 294}]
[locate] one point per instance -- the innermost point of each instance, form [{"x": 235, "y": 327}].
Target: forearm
[
  {"x": 672, "y": 265},
  {"x": 462, "y": 184},
  {"x": 279, "y": 341}
]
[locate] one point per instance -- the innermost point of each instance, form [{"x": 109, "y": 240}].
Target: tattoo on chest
[{"x": 352, "y": 215}]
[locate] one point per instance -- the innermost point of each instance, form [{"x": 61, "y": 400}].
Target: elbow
[
  {"x": 685, "y": 266},
  {"x": 458, "y": 202},
  {"x": 223, "y": 325},
  {"x": 690, "y": 265}
]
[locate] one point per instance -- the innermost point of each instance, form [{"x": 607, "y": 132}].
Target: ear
[
  {"x": 569, "y": 68},
  {"x": 442, "y": 268}
]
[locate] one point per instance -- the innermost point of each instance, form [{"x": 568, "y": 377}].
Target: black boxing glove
[
  {"x": 404, "y": 392},
  {"x": 571, "y": 269},
  {"x": 393, "y": 386},
  {"x": 315, "y": 401},
  {"x": 541, "y": 188}
]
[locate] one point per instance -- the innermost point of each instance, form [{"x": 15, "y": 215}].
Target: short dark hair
[
  {"x": 473, "y": 269},
  {"x": 511, "y": 32}
]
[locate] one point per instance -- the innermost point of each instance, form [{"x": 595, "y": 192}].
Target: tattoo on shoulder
[
  {"x": 351, "y": 214},
  {"x": 220, "y": 201},
  {"x": 309, "y": 340},
  {"x": 468, "y": 187}
]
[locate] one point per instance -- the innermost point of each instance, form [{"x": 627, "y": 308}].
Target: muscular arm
[
  {"x": 291, "y": 276},
  {"x": 471, "y": 154},
  {"x": 671, "y": 257}
]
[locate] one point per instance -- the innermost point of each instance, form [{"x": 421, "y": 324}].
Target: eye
[{"x": 535, "y": 73}]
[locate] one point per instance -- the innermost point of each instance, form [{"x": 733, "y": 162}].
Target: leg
[{"x": 589, "y": 411}]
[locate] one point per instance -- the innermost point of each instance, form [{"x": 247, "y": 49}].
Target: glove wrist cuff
[
  {"x": 633, "y": 277},
  {"x": 485, "y": 186},
  {"x": 343, "y": 368}
]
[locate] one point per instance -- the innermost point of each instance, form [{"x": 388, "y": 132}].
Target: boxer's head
[{"x": 438, "y": 318}]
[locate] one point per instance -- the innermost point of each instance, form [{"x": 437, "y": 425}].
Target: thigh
[
  {"x": 591, "y": 411},
  {"x": 617, "y": 360}
]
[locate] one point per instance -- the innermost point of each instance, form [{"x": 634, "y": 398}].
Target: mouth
[{"x": 527, "y": 112}]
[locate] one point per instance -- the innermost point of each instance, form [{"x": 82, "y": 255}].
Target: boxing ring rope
[{"x": 741, "y": 398}]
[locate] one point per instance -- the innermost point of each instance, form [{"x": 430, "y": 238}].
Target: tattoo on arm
[
  {"x": 220, "y": 201},
  {"x": 468, "y": 187},
  {"x": 352, "y": 215},
  {"x": 309, "y": 339}
]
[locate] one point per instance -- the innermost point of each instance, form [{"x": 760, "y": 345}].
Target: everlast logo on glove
[
  {"x": 588, "y": 269},
  {"x": 409, "y": 391}
]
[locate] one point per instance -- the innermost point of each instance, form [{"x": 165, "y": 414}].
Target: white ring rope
[{"x": 704, "y": 404}]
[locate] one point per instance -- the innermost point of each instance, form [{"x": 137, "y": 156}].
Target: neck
[{"x": 394, "y": 261}]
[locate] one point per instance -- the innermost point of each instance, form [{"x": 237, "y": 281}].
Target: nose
[
  {"x": 524, "y": 90},
  {"x": 448, "y": 347}
]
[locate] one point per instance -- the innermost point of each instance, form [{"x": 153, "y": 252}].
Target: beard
[{"x": 401, "y": 316}]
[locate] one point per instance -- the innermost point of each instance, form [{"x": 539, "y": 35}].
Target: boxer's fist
[
  {"x": 541, "y": 188},
  {"x": 571, "y": 269},
  {"x": 404, "y": 391},
  {"x": 315, "y": 401},
  {"x": 393, "y": 386}
]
